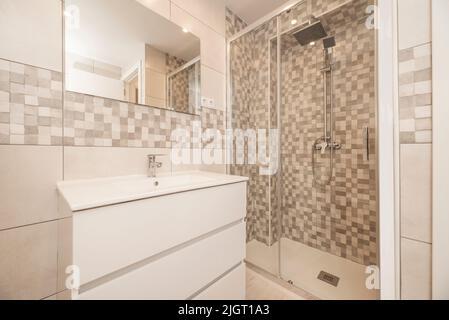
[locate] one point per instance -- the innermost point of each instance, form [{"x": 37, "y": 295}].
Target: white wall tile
[
  {"x": 406, "y": 90},
  {"x": 423, "y": 63},
  {"x": 423, "y": 87},
  {"x": 423, "y": 112},
  {"x": 65, "y": 251},
  {"x": 423, "y": 136},
  {"x": 213, "y": 85},
  {"x": 213, "y": 45},
  {"x": 414, "y": 23},
  {"x": 38, "y": 24},
  {"x": 416, "y": 191},
  {"x": 423, "y": 51},
  {"x": 407, "y": 66},
  {"x": 162, "y": 7},
  {"x": 407, "y": 125},
  {"x": 215, "y": 168},
  {"x": 28, "y": 178},
  {"x": 212, "y": 13},
  {"x": 28, "y": 264},
  {"x": 4, "y": 96},
  {"x": 101, "y": 162},
  {"x": 214, "y": 161},
  {"x": 416, "y": 274}
]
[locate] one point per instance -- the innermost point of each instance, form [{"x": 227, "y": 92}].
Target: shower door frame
[{"x": 387, "y": 141}]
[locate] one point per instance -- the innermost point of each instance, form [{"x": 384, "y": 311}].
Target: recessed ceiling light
[
  {"x": 185, "y": 30},
  {"x": 294, "y": 21},
  {"x": 312, "y": 43}
]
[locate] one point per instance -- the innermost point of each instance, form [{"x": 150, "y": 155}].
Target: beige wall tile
[
  {"x": 21, "y": 21},
  {"x": 98, "y": 162},
  {"x": 423, "y": 112},
  {"x": 28, "y": 176},
  {"x": 162, "y": 7},
  {"x": 407, "y": 125},
  {"x": 158, "y": 103},
  {"x": 156, "y": 59},
  {"x": 213, "y": 45},
  {"x": 65, "y": 252},
  {"x": 186, "y": 159},
  {"x": 156, "y": 85},
  {"x": 28, "y": 264},
  {"x": 214, "y": 168},
  {"x": 210, "y": 160},
  {"x": 414, "y": 23},
  {"x": 416, "y": 191},
  {"x": 214, "y": 86},
  {"x": 416, "y": 273},
  {"x": 211, "y": 13},
  {"x": 423, "y": 137}
]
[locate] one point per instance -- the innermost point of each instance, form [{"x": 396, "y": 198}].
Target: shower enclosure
[{"x": 308, "y": 76}]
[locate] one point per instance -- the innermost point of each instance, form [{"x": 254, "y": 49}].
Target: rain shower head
[{"x": 312, "y": 32}]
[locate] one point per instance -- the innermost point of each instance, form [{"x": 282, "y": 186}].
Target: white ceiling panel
[{"x": 251, "y": 10}]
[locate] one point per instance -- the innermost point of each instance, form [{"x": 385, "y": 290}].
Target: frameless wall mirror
[{"x": 120, "y": 49}]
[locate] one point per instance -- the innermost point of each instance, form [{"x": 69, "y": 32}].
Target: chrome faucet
[{"x": 153, "y": 165}]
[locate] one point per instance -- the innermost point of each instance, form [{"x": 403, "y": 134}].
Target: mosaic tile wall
[
  {"x": 416, "y": 176},
  {"x": 415, "y": 94},
  {"x": 234, "y": 23},
  {"x": 261, "y": 110},
  {"x": 194, "y": 85},
  {"x": 31, "y": 113},
  {"x": 275, "y": 179},
  {"x": 94, "y": 121},
  {"x": 251, "y": 110},
  {"x": 241, "y": 70},
  {"x": 30, "y": 105},
  {"x": 214, "y": 119},
  {"x": 179, "y": 87},
  {"x": 340, "y": 218}
]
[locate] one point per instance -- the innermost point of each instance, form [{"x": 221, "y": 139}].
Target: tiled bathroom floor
[{"x": 302, "y": 264}]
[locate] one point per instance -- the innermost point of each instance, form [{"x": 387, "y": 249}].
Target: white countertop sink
[{"x": 87, "y": 194}]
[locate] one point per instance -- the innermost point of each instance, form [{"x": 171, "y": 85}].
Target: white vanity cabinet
[{"x": 182, "y": 239}]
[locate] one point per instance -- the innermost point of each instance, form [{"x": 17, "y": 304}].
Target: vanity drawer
[
  {"x": 110, "y": 238},
  {"x": 181, "y": 274},
  {"x": 230, "y": 287}
]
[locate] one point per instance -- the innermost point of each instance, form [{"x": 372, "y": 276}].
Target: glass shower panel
[
  {"x": 328, "y": 149},
  {"x": 315, "y": 213},
  {"x": 253, "y": 108}
]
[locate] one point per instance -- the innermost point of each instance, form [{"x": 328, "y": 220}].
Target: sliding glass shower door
[
  {"x": 307, "y": 76},
  {"x": 253, "y": 65}
]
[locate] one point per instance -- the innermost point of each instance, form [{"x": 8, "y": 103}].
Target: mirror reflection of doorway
[{"x": 132, "y": 88}]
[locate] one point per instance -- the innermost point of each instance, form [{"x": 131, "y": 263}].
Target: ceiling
[{"x": 252, "y": 10}]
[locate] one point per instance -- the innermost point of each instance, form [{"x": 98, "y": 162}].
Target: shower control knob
[
  {"x": 336, "y": 146},
  {"x": 322, "y": 146}
]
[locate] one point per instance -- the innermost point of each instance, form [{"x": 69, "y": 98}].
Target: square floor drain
[{"x": 329, "y": 278}]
